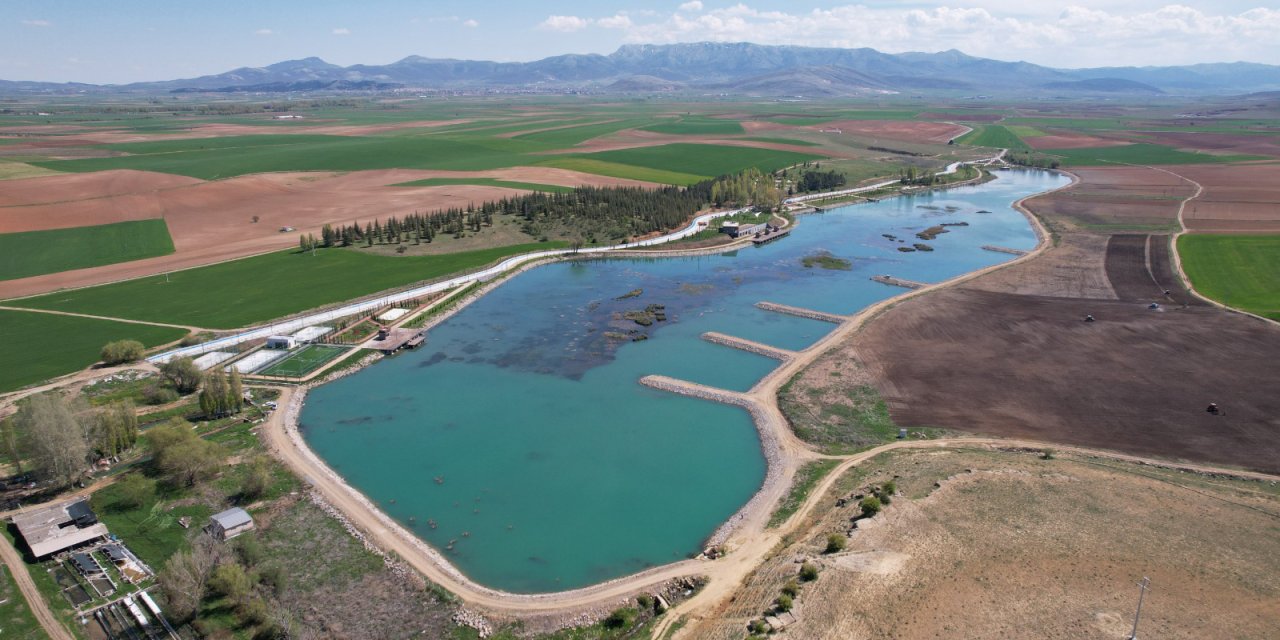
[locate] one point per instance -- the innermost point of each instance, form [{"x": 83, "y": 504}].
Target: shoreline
[{"x": 768, "y": 421}]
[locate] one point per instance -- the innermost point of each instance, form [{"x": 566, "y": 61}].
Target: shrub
[
  {"x": 870, "y": 506},
  {"x": 230, "y": 580},
  {"x": 1047, "y": 454},
  {"x": 134, "y": 491},
  {"x": 835, "y": 543},
  {"x": 156, "y": 394},
  {"x": 758, "y": 627},
  {"x": 791, "y": 588},
  {"x": 122, "y": 351},
  {"x": 784, "y": 602},
  {"x": 808, "y": 572},
  {"x": 645, "y": 601},
  {"x": 620, "y": 619},
  {"x": 890, "y": 488}
]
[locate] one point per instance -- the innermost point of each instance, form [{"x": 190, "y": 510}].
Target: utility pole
[{"x": 1142, "y": 586}]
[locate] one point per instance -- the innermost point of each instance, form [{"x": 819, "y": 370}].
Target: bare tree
[
  {"x": 56, "y": 441},
  {"x": 185, "y": 577}
]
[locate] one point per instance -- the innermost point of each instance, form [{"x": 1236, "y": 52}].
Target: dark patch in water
[
  {"x": 359, "y": 420},
  {"x": 536, "y": 456},
  {"x": 537, "y": 560},
  {"x": 473, "y": 348},
  {"x": 435, "y": 358}
]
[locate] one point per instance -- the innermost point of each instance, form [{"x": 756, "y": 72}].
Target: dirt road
[{"x": 40, "y": 608}]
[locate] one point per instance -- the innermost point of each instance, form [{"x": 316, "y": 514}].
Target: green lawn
[
  {"x": 38, "y": 346},
  {"x": 239, "y": 155},
  {"x": 488, "y": 182},
  {"x": 703, "y": 160},
  {"x": 243, "y": 292},
  {"x": 1240, "y": 271},
  {"x": 304, "y": 361},
  {"x": 1139, "y": 154},
  {"x": 697, "y": 125},
  {"x": 150, "y": 530},
  {"x": 33, "y": 253},
  {"x": 995, "y": 136}
]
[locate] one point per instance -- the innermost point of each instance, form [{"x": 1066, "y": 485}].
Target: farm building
[
  {"x": 311, "y": 334},
  {"x": 281, "y": 342},
  {"x": 230, "y": 523},
  {"x": 736, "y": 230},
  {"x": 55, "y": 528}
]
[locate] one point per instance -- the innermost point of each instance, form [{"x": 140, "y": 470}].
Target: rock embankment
[
  {"x": 769, "y": 445},
  {"x": 749, "y": 346},
  {"x": 899, "y": 282},
  {"x": 801, "y": 312}
]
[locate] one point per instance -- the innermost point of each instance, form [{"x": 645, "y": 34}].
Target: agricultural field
[
  {"x": 1140, "y": 154},
  {"x": 701, "y": 160},
  {"x": 692, "y": 125},
  {"x": 487, "y": 182},
  {"x": 39, "y": 346},
  {"x": 1239, "y": 271},
  {"x": 33, "y": 253},
  {"x": 239, "y": 293},
  {"x": 304, "y": 361},
  {"x": 994, "y": 136}
]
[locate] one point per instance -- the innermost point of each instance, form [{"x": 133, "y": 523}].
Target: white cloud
[
  {"x": 1077, "y": 36},
  {"x": 342, "y": 31},
  {"x": 564, "y": 23},
  {"x": 37, "y": 23},
  {"x": 470, "y": 23},
  {"x": 619, "y": 21},
  {"x": 263, "y": 32}
]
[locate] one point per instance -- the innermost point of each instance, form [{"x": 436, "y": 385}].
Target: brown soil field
[
  {"x": 82, "y": 186},
  {"x": 996, "y": 544},
  {"x": 905, "y": 130},
  {"x": 1239, "y": 198},
  {"x": 1071, "y": 141},
  {"x": 203, "y": 216},
  {"x": 963, "y": 117},
  {"x": 1028, "y": 366},
  {"x": 1139, "y": 268},
  {"x": 1074, "y": 268},
  {"x": 635, "y": 138},
  {"x": 87, "y": 135},
  {"x": 1259, "y": 145},
  {"x": 1109, "y": 197}
]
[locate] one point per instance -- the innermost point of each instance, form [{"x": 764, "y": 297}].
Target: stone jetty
[
  {"x": 899, "y": 282},
  {"x": 992, "y": 247},
  {"x": 749, "y": 346},
  {"x": 802, "y": 312}
]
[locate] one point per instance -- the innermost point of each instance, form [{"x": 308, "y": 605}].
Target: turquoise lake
[{"x": 520, "y": 431}]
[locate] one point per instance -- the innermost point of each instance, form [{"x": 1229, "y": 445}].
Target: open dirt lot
[
  {"x": 1135, "y": 380},
  {"x": 1070, "y": 141},
  {"x": 84, "y": 186},
  {"x": 1238, "y": 198},
  {"x": 1074, "y": 268},
  {"x": 1011, "y": 546},
  {"x": 211, "y": 221},
  {"x": 1111, "y": 197}
]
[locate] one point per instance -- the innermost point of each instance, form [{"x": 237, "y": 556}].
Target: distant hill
[
  {"x": 1103, "y": 85},
  {"x": 745, "y": 68}
]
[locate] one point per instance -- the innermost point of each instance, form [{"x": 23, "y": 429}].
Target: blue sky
[{"x": 131, "y": 40}]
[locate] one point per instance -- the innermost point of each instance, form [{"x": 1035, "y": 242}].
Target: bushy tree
[
  {"x": 835, "y": 543},
  {"x": 114, "y": 428},
  {"x": 182, "y": 456},
  {"x": 182, "y": 373},
  {"x": 122, "y": 351},
  {"x": 185, "y": 578},
  {"x": 134, "y": 490},
  {"x": 870, "y": 506},
  {"x": 56, "y": 440},
  {"x": 257, "y": 478}
]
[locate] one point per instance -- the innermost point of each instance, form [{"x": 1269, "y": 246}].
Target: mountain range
[{"x": 728, "y": 68}]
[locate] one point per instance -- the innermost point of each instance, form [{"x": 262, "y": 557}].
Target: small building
[
  {"x": 736, "y": 230},
  {"x": 308, "y": 335},
  {"x": 392, "y": 314},
  {"x": 230, "y": 523},
  {"x": 281, "y": 342},
  {"x": 58, "y": 527},
  {"x": 730, "y": 228}
]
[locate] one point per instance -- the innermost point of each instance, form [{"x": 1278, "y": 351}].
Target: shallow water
[{"x": 519, "y": 429}]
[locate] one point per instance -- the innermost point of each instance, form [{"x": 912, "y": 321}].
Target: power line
[{"x": 1142, "y": 591}]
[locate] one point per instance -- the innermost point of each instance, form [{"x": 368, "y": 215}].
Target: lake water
[{"x": 520, "y": 432}]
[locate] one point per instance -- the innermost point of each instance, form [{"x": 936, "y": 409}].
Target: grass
[
  {"x": 33, "y": 253},
  {"x": 151, "y": 530},
  {"x": 702, "y": 160},
  {"x": 1023, "y": 131},
  {"x": 235, "y": 294},
  {"x": 38, "y": 346},
  {"x": 697, "y": 125},
  {"x": 16, "y": 620},
  {"x": 826, "y": 261},
  {"x": 239, "y": 155},
  {"x": 303, "y": 361},
  {"x": 1240, "y": 271},
  {"x": 995, "y": 136},
  {"x": 1139, "y": 154},
  {"x": 791, "y": 141},
  {"x": 807, "y": 477},
  {"x": 487, "y": 182},
  {"x": 17, "y": 170},
  {"x": 570, "y": 136},
  {"x": 616, "y": 170}
]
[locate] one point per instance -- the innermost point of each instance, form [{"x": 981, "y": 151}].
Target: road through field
[{"x": 35, "y": 601}]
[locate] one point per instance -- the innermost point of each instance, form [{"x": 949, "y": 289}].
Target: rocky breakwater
[
  {"x": 801, "y": 312},
  {"x": 749, "y": 346}
]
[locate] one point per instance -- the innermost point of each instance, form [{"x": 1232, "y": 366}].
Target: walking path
[{"x": 112, "y": 319}]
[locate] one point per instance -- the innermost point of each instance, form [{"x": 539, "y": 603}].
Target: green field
[
  {"x": 994, "y": 136},
  {"x": 792, "y": 141},
  {"x": 1139, "y": 154},
  {"x": 16, "y": 620},
  {"x": 211, "y": 159},
  {"x": 488, "y": 182},
  {"x": 304, "y": 361},
  {"x": 697, "y": 125},
  {"x": 569, "y": 136},
  {"x": 33, "y": 253},
  {"x": 17, "y": 170},
  {"x": 1239, "y": 271},
  {"x": 243, "y": 292},
  {"x": 703, "y": 160},
  {"x": 38, "y": 346}
]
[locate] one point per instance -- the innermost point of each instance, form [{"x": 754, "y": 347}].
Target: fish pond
[{"x": 518, "y": 442}]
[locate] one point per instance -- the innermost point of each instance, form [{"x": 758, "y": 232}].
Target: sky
[{"x": 120, "y": 41}]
